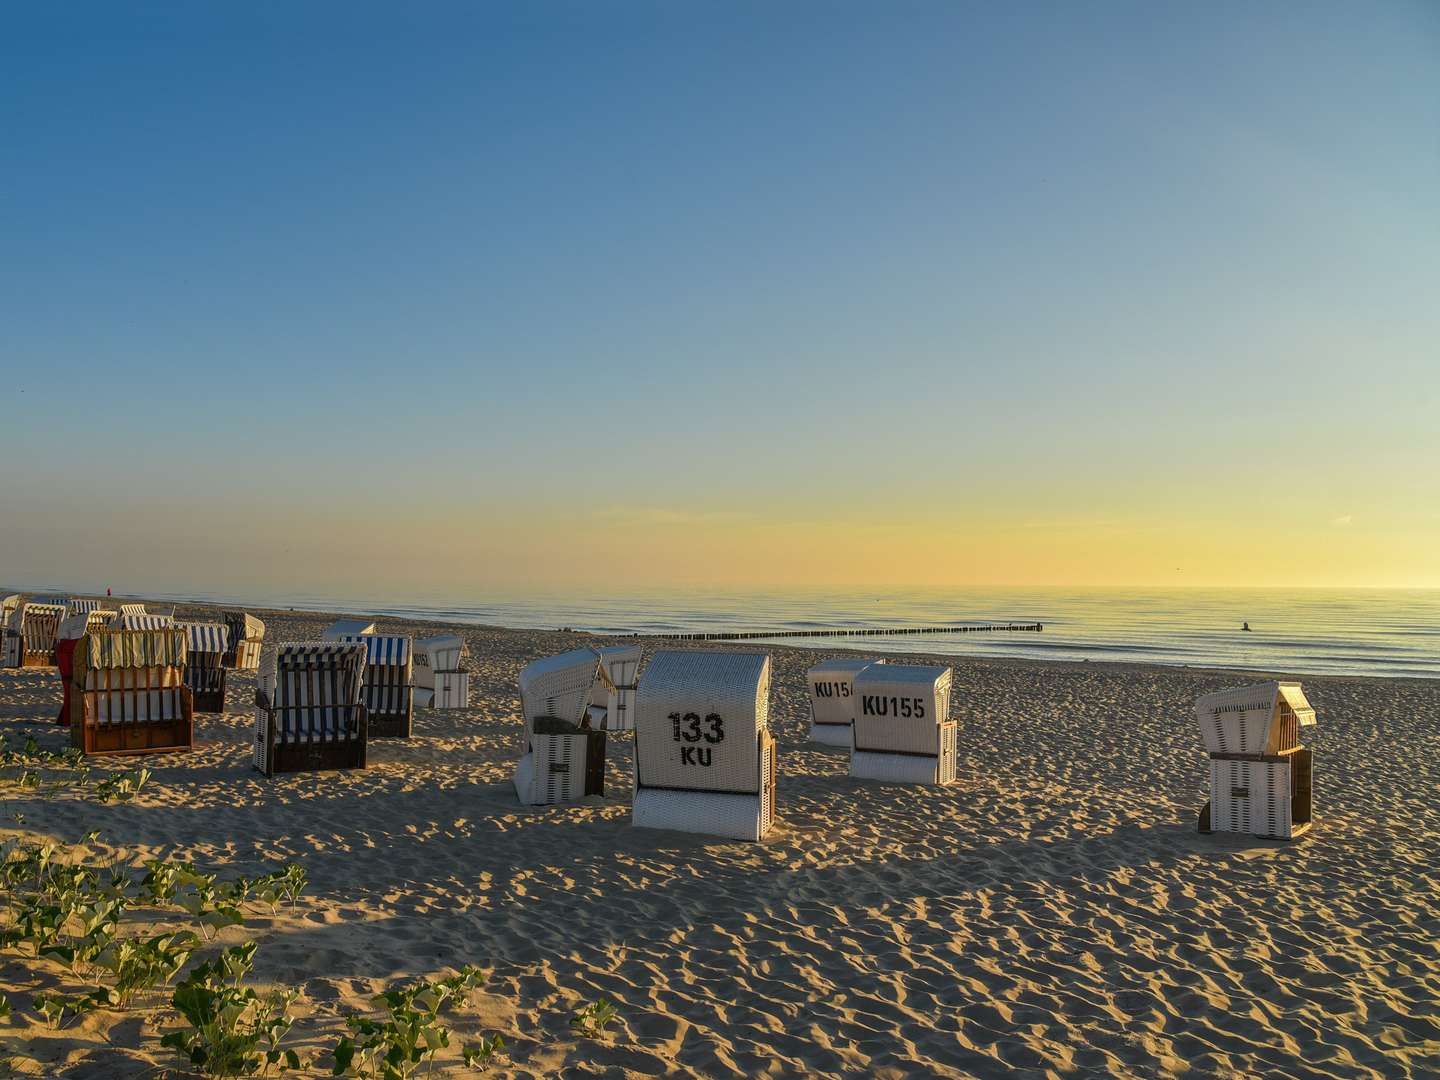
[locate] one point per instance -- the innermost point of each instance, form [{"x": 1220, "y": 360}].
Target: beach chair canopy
[
  {"x": 900, "y": 707},
  {"x": 442, "y": 653},
  {"x": 243, "y": 627},
  {"x": 76, "y": 625},
  {"x": 347, "y": 628},
  {"x": 131, "y": 676},
  {"x": 77, "y": 606},
  {"x": 558, "y": 687},
  {"x": 145, "y": 621},
  {"x": 204, "y": 637},
  {"x": 1264, "y": 718},
  {"x": 132, "y": 609},
  {"x": 700, "y": 720}
]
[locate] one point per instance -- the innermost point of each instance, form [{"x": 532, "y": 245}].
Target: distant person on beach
[
  {"x": 107, "y": 590},
  {"x": 1246, "y": 626}
]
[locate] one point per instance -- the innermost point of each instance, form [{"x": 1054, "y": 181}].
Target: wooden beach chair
[
  {"x": 1260, "y": 775},
  {"x": 246, "y": 636},
  {"x": 309, "y": 712},
  {"x": 705, "y": 761},
  {"x": 832, "y": 698},
  {"x": 902, "y": 731},
  {"x": 389, "y": 693},
  {"x": 128, "y": 693},
  {"x": 344, "y": 629},
  {"x": 440, "y": 681},
  {"x": 562, "y": 758},
  {"x": 204, "y": 672}
]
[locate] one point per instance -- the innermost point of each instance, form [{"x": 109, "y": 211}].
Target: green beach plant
[{"x": 410, "y": 1032}]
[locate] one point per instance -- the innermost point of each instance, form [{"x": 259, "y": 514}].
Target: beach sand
[{"x": 1052, "y": 913}]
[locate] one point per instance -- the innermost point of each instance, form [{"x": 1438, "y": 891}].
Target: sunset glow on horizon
[{"x": 723, "y": 296}]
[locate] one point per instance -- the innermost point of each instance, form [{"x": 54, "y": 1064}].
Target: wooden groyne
[{"x": 888, "y": 631}]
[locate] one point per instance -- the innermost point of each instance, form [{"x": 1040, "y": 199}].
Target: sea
[{"x": 1385, "y": 632}]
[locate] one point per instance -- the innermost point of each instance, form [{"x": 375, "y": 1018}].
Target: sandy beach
[{"x": 1052, "y": 913}]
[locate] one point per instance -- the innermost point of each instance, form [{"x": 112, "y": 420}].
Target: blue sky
[{"x": 586, "y": 269}]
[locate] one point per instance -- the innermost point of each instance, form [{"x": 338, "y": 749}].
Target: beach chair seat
[
  {"x": 902, "y": 731},
  {"x": 128, "y": 693},
  {"x": 309, "y": 711},
  {"x": 832, "y": 698},
  {"x": 562, "y": 758},
  {"x": 440, "y": 682},
  {"x": 1261, "y": 779},
  {"x": 205, "y": 645},
  {"x": 705, "y": 761},
  {"x": 245, "y": 635},
  {"x": 389, "y": 691}
]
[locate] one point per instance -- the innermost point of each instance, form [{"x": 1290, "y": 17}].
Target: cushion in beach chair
[
  {"x": 128, "y": 693},
  {"x": 309, "y": 712},
  {"x": 1260, "y": 776},
  {"x": 832, "y": 698},
  {"x": 902, "y": 731},
  {"x": 705, "y": 761}
]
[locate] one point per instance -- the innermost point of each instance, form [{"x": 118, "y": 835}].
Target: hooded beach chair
[
  {"x": 1260, "y": 775},
  {"x": 149, "y": 620},
  {"x": 561, "y": 758},
  {"x": 440, "y": 682},
  {"x": 30, "y": 637},
  {"x": 832, "y": 698},
  {"x": 67, "y": 637},
  {"x": 612, "y": 697},
  {"x": 705, "y": 760},
  {"x": 903, "y": 731},
  {"x": 204, "y": 672},
  {"x": 246, "y": 636},
  {"x": 11, "y": 641},
  {"x": 76, "y": 606},
  {"x": 132, "y": 609},
  {"x": 128, "y": 693},
  {"x": 309, "y": 713},
  {"x": 343, "y": 629},
  {"x": 389, "y": 693}
]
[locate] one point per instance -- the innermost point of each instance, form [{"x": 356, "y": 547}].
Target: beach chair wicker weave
[
  {"x": 389, "y": 691},
  {"x": 1260, "y": 776},
  {"x": 612, "y": 697},
  {"x": 128, "y": 693},
  {"x": 561, "y": 757},
  {"x": 204, "y": 672},
  {"x": 705, "y": 761},
  {"x": 309, "y": 712},
  {"x": 832, "y": 698},
  {"x": 902, "y": 731},
  {"x": 439, "y": 681}
]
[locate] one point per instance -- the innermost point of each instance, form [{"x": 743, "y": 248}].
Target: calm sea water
[{"x": 1362, "y": 632}]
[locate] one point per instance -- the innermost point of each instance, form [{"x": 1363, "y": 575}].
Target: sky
[{"x": 605, "y": 296}]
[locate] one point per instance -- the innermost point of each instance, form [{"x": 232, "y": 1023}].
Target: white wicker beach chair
[
  {"x": 832, "y": 698},
  {"x": 439, "y": 680},
  {"x": 389, "y": 691},
  {"x": 342, "y": 629},
  {"x": 308, "y": 709},
  {"x": 705, "y": 761},
  {"x": 561, "y": 758},
  {"x": 246, "y": 640},
  {"x": 902, "y": 731},
  {"x": 128, "y": 693},
  {"x": 204, "y": 668},
  {"x": 1260, "y": 775}
]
